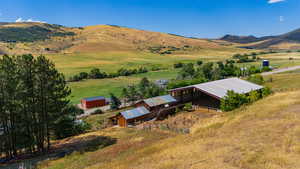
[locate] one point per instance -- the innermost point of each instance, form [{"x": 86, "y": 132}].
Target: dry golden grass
[
  {"x": 286, "y": 45},
  {"x": 265, "y": 135}
]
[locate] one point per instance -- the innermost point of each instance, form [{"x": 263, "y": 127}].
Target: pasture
[{"x": 71, "y": 64}]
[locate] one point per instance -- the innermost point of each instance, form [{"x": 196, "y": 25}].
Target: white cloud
[
  {"x": 281, "y": 18},
  {"x": 28, "y": 20},
  {"x": 275, "y": 1},
  {"x": 19, "y": 20}
]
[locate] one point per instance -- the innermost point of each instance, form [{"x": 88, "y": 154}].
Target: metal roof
[
  {"x": 156, "y": 101},
  {"x": 94, "y": 98},
  {"x": 134, "y": 113},
  {"x": 220, "y": 88}
]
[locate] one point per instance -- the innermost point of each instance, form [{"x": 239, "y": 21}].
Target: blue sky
[{"x": 198, "y": 18}]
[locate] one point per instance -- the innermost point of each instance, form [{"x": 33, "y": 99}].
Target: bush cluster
[
  {"x": 96, "y": 73},
  {"x": 234, "y": 100}
]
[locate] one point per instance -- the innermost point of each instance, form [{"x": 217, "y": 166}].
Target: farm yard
[{"x": 217, "y": 134}]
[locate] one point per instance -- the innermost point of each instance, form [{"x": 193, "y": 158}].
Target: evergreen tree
[
  {"x": 33, "y": 96},
  {"x": 115, "y": 102}
]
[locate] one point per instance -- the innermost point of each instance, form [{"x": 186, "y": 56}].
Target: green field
[
  {"x": 103, "y": 87},
  {"x": 71, "y": 64}
]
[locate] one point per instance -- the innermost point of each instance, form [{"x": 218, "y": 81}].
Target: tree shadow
[{"x": 60, "y": 150}]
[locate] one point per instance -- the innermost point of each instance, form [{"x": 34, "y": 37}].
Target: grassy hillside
[
  {"x": 37, "y": 38},
  {"x": 264, "y": 135}
]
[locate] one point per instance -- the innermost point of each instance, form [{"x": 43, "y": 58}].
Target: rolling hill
[
  {"x": 289, "y": 40},
  {"x": 36, "y": 38}
]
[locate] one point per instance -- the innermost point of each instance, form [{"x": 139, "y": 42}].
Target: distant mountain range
[{"x": 289, "y": 40}]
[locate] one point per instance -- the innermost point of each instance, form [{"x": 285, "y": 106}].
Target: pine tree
[{"x": 115, "y": 102}]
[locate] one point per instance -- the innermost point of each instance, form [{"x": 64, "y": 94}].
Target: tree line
[
  {"x": 34, "y": 105},
  {"x": 143, "y": 90},
  {"x": 96, "y": 73},
  {"x": 200, "y": 72}
]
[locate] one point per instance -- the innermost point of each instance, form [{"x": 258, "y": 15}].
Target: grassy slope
[{"x": 264, "y": 135}]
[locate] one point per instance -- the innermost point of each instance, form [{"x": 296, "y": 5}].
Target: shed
[
  {"x": 92, "y": 102},
  {"x": 130, "y": 117},
  {"x": 156, "y": 103}
]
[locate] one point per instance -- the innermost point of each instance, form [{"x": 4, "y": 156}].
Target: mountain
[
  {"x": 289, "y": 40},
  {"x": 18, "y": 38},
  {"x": 240, "y": 39}
]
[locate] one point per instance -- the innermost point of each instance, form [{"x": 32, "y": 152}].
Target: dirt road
[{"x": 281, "y": 70}]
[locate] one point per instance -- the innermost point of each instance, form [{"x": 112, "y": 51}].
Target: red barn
[{"x": 92, "y": 102}]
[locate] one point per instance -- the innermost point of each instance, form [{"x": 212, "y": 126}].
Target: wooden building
[
  {"x": 145, "y": 110},
  {"x": 93, "y": 102},
  {"x": 209, "y": 94},
  {"x": 132, "y": 117},
  {"x": 155, "y": 104}
]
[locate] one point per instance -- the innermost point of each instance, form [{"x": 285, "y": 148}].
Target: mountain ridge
[{"x": 292, "y": 38}]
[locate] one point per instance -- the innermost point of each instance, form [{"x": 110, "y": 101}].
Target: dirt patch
[{"x": 179, "y": 123}]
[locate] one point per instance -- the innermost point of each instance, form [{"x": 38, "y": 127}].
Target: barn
[
  {"x": 93, "y": 102},
  {"x": 209, "y": 94}
]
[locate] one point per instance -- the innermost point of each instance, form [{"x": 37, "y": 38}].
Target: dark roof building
[
  {"x": 210, "y": 94},
  {"x": 160, "y": 100}
]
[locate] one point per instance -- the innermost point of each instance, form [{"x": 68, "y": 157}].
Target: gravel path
[{"x": 281, "y": 70}]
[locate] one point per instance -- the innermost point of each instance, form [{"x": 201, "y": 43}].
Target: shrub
[
  {"x": 233, "y": 100},
  {"x": 254, "y": 96},
  {"x": 83, "y": 75},
  {"x": 257, "y": 79},
  {"x": 178, "y": 65},
  {"x": 98, "y": 111},
  {"x": 199, "y": 62},
  {"x": 266, "y": 69},
  {"x": 188, "y": 107},
  {"x": 97, "y": 74},
  {"x": 266, "y": 92}
]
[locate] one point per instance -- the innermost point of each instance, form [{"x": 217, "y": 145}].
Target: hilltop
[
  {"x": 290, "y": 40},
  {"x": 18, "y": 38}
]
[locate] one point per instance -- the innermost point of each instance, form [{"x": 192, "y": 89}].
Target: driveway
[{"x": 281, "y": 70}]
